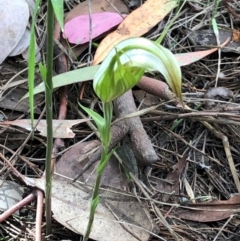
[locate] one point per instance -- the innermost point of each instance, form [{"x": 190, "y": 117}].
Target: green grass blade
[
  {"x": 31, "y": 62},
  {"x": 165, "y": 31},
  {"x": 71, "y": 77},
  {"x": 43, "y": 71},
  {"x": 58, "y": 10},
  {"x": 48, "y": 102}
]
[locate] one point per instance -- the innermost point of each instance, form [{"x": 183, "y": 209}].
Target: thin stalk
[
  {"x": 48, "y": 101},
  {"x": 107, "y": 114},
  {"x": 106, "y": 138},
  {"x": 173, "y": 20},
  {"x": 31, "y": 63},
  {"x": 95, "y": 197}
]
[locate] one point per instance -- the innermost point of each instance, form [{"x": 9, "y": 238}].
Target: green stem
[
  {"x": 106, "y": 138},
  {"x": 48, "y": 102},
  {"x": 107, "y": 114},
  {"x": 95, "y": 196}
]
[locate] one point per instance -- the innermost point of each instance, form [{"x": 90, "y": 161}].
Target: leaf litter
[
  {"x": 115, "y": 203},
  {"x": 14, "y": 32},
  {"x": 118, "y": 216},
  {"x": 61, "y": 128},
  {"x": 101, "y": 23},
  {"x": 13, "y": 25},
  {"x": 211, "y": 185}
]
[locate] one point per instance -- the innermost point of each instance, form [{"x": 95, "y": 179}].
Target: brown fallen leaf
[
  {"x": 118, "y": 215},
  {"x": 145, "y": 99},
  {"x": 210, "y": 211},
  {"x": 188, "y": 58},
  {"x": 206, "y": 37},
  {"x": 80, "y": 155},
  {"x": 136, "y": 24},
  {"x": 173, "y": 177},
  {"x": 97, "y": 6},
  {"x": 61, "y": 128},
  {"x": 11, "y": 96},
  {"x": 126, "y": 208}
]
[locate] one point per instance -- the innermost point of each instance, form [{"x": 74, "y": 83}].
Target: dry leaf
[
  {"x": 206, "y": 37},
  {"x": 217, "y": 93},
  {"x": 80, "y": 155},
  {"x": 117, "y": 215},
  {"x": 145, "y": 99},
  {"x": 236, "y": 35},
  {"x": 11, "y": 101},
  {"x": 22, "y": 47},
  {"x": 210, "y": 211},
  {"x": 188, "y": 58},
  {"x": 101, "y": 23},
  {"x": 76, "y": 211},
  {"x": 97, "y": 6},
  {"x": 136, "y": 24},
  {"x": 10, "y": 194},
  {"x": 13, "y": 25},
  {"x": 189, "y": 190},
  {"x": 171, "y": 184},
  {"x": 61, "y": 128}
]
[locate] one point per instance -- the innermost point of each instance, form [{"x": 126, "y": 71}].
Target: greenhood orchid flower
[
  {"x": 119, "y": 72},
  {"x": 126, "y": 63}
]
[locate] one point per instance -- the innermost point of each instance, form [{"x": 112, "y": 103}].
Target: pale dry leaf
[
  {"x": 135, "y": 24},
  {"x": 217, "y": 93},
  {"x": 10, "y": 194},
  {"x": 209, "y": 211},
  {"x": 145, "y": 99},
  {"x": 35, "y": 182},
  {"x": 61, "y": 128},
  {"x": 71, "y": 203},
  {"x": 31, "y": 4},
  {"x": 23, "y": 47},
  {"x": 189, "y": 190},
  {"x": 172, "y": 182},
  {"x": 14, "y": 19}
]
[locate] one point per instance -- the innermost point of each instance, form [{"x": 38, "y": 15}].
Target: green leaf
[
  {"x": 173, "y": 20},
  {"x": 31, "y": 62},
  {"x": 99, "y": 120},
  {"x": 43, "y": 71},
  {"x": 94, "y": 203},
  {"x": 103, "y": 164},
  {"x": 107, "y": 115},
  {"x": 71, "y": 77},
  {"x": 58, "y": 10}
]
